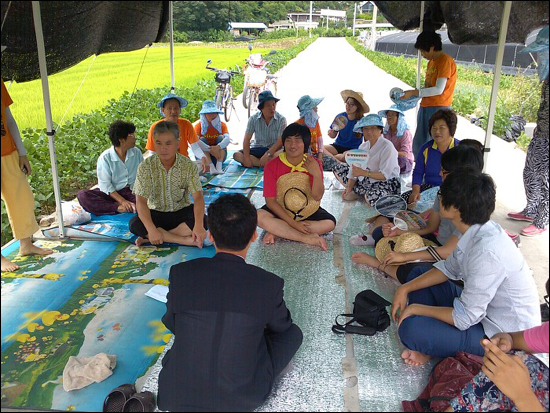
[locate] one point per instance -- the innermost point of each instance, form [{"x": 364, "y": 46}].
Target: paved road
[{"x": 331, "y": 65}]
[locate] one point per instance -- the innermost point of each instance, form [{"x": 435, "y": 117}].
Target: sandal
[
  {"x": 115, "y": 401},
  {"x": 140, "y": 402}
]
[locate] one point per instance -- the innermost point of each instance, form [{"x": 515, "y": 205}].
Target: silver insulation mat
[{"x": 316, "y": 284}]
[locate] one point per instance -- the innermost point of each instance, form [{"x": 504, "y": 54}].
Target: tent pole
[
  {"x": 47, "y": 108},
  {"x": 172, "y": 46},
  {"x": 419, "y": 62},
  {"x": 496, "y": 79}
]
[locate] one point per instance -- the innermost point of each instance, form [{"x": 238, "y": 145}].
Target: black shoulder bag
[{"x": 369, "y": 315}]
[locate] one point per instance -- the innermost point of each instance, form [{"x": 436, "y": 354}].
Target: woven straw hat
[
  {"x": 294, "y": 195},
  {"x": 407, "y": 242},
  {"x": 358, "y": 96}
]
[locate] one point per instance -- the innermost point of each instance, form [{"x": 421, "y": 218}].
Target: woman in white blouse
[{"x": 381, "y": 177}]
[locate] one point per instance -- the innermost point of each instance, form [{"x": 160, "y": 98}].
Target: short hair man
[
  {"x": 499, "y": 291},
  {"x": 267, "y": 127},
  {"x": 233, "y": 332},
  {"x": 116, "y": 174},
  {"x": 164, "y": 184}
]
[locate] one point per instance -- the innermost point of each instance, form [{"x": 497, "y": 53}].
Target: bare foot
[
  {"x": 8, "y": 266},
  {"x": 269, "y": 238},
  {"x": 34, "y": 250},
  {"x": 140, "y": 241},
  {"x": 364, "y": 258},
  {"x": 414, "y": 358},
  {"x": 316, "y": 240}
]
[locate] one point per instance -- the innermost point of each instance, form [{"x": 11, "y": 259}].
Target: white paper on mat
[{"x": 158, "y": 292}]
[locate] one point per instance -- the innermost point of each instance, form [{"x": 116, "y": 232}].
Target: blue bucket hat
[
  {"x": 403, "y": 104},
  {"x": 392, "y": 108},
  {"x": 306, "y": 102},
  {"x": 265, "y": 96},
  {"x": 371, "y": 119},
  {"x": 540, "y": 46},
  {"x": 209, "y": 106},
  {"x": 182, "y": 101}
]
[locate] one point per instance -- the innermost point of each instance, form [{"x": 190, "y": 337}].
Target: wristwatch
[
  {"x": 269, "y": 154},
  {"x": 368, "y": 173}
]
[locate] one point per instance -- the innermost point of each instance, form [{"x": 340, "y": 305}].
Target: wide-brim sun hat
[
  {"x": 306, "y": 102},
  {"x": 540, "y": 44},
  {"x": 209, "y": 106},
  {"x": 294, "y": 195},
  {"x": 407, "y": 242},
  {"x": 266, "y": 96},
  {"x": 182, "y": 101},
  {"x": 358, "y": 96},
  {"x": 371, "y": 119},
  {"x": 392, "y": 108}
]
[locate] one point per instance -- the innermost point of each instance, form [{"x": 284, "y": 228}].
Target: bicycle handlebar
[{"x": 232, "y": 72}]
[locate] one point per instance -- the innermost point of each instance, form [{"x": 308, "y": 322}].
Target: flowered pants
[
  {"x": 482, "y": 395},
  {"x": 371, "y": 191}
]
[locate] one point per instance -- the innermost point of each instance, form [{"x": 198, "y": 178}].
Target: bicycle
[
  {"x": 257, "y": 79},
  {"x": 224, "y": 90}
]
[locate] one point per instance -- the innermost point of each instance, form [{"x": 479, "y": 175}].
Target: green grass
[{"x": 114, "y": 73}]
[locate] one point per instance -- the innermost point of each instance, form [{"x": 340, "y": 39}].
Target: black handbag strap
[{"x": 348, "y": 328}]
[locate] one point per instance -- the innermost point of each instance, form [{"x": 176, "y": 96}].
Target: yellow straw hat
[
  {"x": 407, "y": 242},
  {"x": 358, "y": 96},
  {"x": 294, "y": 195}
]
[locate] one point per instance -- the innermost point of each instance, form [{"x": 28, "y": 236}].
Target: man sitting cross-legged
[
  {"x": 293, "y": 189},
  {"x": 499, "y": 291},
  {"x": 164, "y": 184},
  {"x": 233, "y": 333}
]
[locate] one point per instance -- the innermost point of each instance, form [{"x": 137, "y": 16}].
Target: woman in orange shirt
[
  {"x": 309, "y": 117},
  {"x": 213, "y": 135},
  {"x": 438, "y": 88}
]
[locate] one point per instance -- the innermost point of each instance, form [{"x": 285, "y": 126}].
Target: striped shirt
[
  {"x": 499, "y": 290},
  {"x": 167, "y": 191},
  {"x": 265, "y": 135}
]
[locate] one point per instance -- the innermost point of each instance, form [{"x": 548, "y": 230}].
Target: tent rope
[
  {"x": 5, "y": 16},
  {"x": 76, "y": 93},
  {"x": 137, "y": 80}
]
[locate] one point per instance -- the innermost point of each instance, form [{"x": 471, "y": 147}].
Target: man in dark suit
[{"x": 233, "y": 334}]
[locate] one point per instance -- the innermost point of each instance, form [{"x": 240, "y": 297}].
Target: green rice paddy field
[{"x": 113, "y": 73}]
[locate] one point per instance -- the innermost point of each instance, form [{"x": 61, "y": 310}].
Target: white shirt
[
  {"x": 499, "y": 289},
  {"x": 113, "y": 174},
  {"x": 382, "y": 158}
]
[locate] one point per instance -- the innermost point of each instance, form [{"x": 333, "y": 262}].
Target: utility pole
[
  {"x": 354, "y": 15},
  {"x": 310, "y": 17}
]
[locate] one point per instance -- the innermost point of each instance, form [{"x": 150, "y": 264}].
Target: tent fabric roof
[
  {"x": 468, "y": 22},
  {"x": 76, "y": 30}
]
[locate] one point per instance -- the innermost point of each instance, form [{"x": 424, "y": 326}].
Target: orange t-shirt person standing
[{"x": 16, "y": 191}]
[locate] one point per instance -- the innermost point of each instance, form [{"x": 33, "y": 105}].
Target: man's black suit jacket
[{"x": 219, "y": 310}]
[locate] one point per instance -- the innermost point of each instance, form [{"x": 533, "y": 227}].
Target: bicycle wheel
[
  {"x": 228, "y": 102},
  {"x": 253, "y": 102},
  {"x": 246, "y": 92},
  {"x": 218, "y": 98}
]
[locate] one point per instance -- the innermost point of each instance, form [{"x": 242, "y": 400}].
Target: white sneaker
[
  {"x": 362, "y": 240},
  {"x": 219, "y": 167},
  {"x": 212, "y": 169}
]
